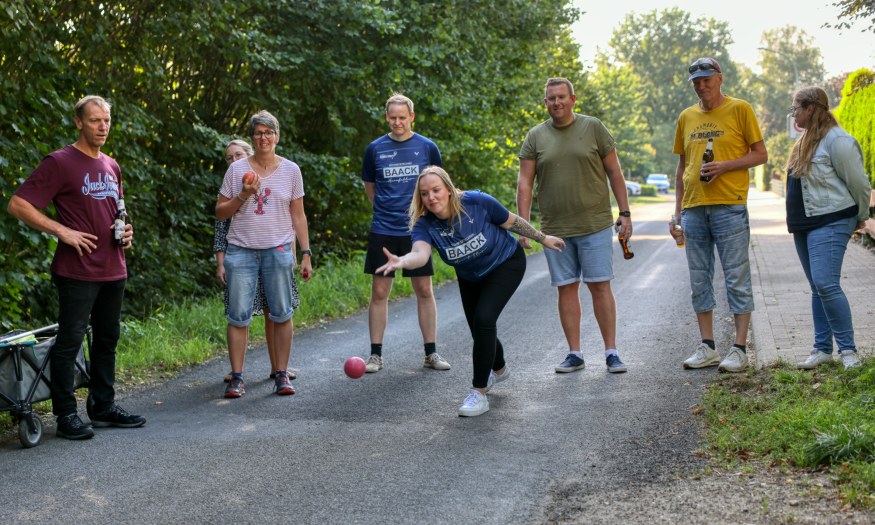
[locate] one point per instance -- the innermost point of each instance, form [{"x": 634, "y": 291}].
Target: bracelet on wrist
[{"x": 239, "y": 198}]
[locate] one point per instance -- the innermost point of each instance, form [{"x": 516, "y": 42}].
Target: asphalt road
[{"x": 389, "y": 447}]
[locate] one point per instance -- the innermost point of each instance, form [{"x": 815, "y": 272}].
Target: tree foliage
[
  {"x": 184, "y": 76},
  {"x": 784, "y": 53},
  {"x": 851, "y": 11},
  {"x": 856, "y": 114}
]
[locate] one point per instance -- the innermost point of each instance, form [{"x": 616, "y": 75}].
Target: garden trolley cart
[{"x": 25, "y": 376}]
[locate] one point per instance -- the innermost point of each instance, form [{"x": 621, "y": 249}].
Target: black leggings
[{"x": 483, "y": 302}]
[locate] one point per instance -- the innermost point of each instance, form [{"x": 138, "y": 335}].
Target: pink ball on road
[{"x": 354, "y": 367}]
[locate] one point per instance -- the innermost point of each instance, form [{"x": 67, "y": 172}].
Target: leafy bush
[{"x": 185, "y": 76}]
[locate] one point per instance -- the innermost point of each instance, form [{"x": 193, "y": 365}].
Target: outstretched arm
[{"x": 417, "y": 258}]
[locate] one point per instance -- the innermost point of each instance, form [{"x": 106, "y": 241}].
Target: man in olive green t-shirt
[{"x": 573, "y": 159}]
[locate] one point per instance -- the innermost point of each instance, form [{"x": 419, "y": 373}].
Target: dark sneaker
[
  {"x": 71, "y": 427},
  {"x": 282, "y": 386},
  {"x": 235, "y": 388},
  {"x": 292, "y": 375},
  {"x": 615, "y": 366},
  {"x": 116, "y": 416},
  {"x": 571, "y": 363}
]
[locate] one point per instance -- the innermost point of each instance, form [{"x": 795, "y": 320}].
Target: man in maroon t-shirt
[{"x": 88, "y": 268}]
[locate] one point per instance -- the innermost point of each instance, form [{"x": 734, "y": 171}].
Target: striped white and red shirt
[{"x": 264, "y": 220}]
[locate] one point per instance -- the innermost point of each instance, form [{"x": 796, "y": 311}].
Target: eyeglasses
[
  {"x": 703, "y": 66},
  {"x": 268, "y": 134}
]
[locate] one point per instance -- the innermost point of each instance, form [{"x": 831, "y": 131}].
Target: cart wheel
[{"x": 30, "y": 430}]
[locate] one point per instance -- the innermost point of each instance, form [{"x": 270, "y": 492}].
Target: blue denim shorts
[
  {"x": 243, "y": 267},
  {"x": 587, "y": 258},
  {"x": 726, "y": 227}
]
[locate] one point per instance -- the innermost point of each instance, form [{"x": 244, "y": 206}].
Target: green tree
[
  {"x": 184, "y": 76},
  {"x": 617, "y": 101},
  {"x": 784, "y": 53},
  {"x": 657, "y": 47}
]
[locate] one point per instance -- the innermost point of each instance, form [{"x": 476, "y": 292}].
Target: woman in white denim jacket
[{"x": 827, "y": 200}]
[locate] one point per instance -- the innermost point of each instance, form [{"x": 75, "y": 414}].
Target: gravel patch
[{"x": 765, "y": 497}]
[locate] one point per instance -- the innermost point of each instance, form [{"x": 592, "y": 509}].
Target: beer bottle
[
  {"x": 627, "y": 253},
  {"x": 708, "y": 156},
  {"x": 680, "y": 240},
  {"x": 118, "y": 226}
]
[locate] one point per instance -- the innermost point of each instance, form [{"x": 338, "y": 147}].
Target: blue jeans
[
  {"x": 727, "y": 228},
  {"x": 243, "y": 266},
  {"x": 78, "y": 303},
  {"x": 822, "y": 252}
]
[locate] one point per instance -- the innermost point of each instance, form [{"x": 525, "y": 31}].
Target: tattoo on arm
[{"x": 522, "y": 227}]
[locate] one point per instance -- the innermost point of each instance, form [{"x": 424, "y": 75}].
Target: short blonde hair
[{"x": 398, "y": 98}]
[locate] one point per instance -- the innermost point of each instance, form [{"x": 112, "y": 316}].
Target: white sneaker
[
  {"x": 374, "y": 364},
  {"x": 436, "y": 361},
  {"x": 815, "y": 359},
  {"x": 735, "y": 361},
  {"x": 474, "y": 405},
  {"x": 495, "y": 378},
  {"x": 850, "y": 359},
  {"x": 702, "y": 357}
]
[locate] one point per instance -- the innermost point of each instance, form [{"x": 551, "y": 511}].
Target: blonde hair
[
  {"x": 821, "y": 121},
  {"x": 398, "y": 98},
  {"x": 417, "y": 207},
  {"x": 245, "y": 146}
]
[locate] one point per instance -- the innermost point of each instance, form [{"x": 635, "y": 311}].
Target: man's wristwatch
[
  {"x": 306, "y": 252},
  {"x": 625, "y": 214}
]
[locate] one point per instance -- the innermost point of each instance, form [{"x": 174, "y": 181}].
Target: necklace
[{"x": 267, "y": 169}]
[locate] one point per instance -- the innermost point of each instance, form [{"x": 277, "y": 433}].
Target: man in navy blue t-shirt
[{"x": 390, "y": 169}]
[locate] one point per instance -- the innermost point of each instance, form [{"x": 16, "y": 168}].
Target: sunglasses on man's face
[{"x": 705, "y": 66}]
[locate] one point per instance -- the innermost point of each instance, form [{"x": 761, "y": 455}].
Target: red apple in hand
[{"x": 249, "y": 178}]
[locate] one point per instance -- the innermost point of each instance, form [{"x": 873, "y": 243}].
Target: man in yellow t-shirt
[{"x": 711, "y": 206}]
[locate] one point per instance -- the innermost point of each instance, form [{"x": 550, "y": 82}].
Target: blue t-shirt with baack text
[{"x": 477, "y": 244}]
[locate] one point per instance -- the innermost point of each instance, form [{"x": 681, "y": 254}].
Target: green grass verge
[{"x": 781, "y": 416}]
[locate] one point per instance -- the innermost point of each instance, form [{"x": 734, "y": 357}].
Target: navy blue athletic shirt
[
  {"x": 394, "y": 167},
  {"x": 476, "y": 246}
]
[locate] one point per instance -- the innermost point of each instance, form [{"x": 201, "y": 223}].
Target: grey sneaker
[
  {"x": 374, "y": 364},
  {"x": 702, "y": 357},
  {"x": 850, "y": 359},
  {"x": 735, "y": 361},
  {"x": 436, "y": 361},
  {"x": 474, "y": 405},
  {"x": 815, "y": 359},
  {"x": 495, "y": 378}
]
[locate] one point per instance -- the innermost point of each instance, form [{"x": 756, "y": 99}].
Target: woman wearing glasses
[
  {"x": 827, "y": 199},
  {"x": 234, "y": 151},
  {"x": 267, "y": 216},
  {"x": 470, "y": 232}
]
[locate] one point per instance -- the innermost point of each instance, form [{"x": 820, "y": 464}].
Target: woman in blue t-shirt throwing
[{"x": 470, "y": 231}]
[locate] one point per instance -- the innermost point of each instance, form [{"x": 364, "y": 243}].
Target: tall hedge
[
  {"x": 184, "y": 76},
  {"x": 856, "y": 114}
]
